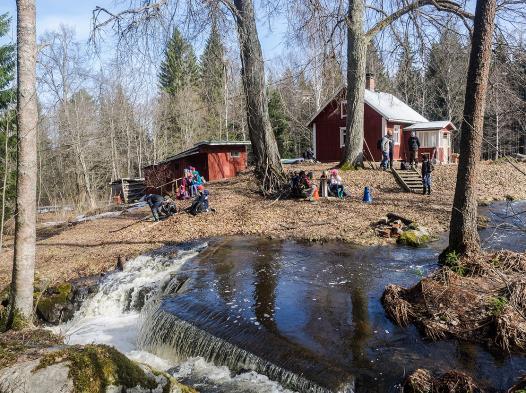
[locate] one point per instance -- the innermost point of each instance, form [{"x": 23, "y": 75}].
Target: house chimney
[{"x": 369, "y": 81}]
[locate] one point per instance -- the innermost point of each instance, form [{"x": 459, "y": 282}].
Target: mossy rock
[
  {"x": 101, "y": 368},
  {"x": 414, "y": 238},
  {"x": 55, "y": 303}
]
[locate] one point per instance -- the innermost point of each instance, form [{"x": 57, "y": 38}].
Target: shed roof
[
  {"x": 431, "y": 125},
  {"x": 195, "y": 149},
  {"x": 387, "y": 105}
]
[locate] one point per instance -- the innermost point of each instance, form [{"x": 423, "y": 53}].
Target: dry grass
[
  {"x": 88, "y": 248},
  {"x": 487, "y": 304},
  {"x": 421, "y": 381}
]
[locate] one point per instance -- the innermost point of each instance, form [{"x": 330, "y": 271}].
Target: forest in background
[{"x": 102, "y": 119}]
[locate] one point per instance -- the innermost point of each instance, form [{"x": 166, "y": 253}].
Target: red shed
[
  {"x": 214, "y": 160},
  {"x": 382, "y": 112}
]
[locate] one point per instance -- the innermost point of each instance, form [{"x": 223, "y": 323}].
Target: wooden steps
[{"x": 410, "y": 180}]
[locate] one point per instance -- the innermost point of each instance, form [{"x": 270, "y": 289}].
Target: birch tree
[{"x": 21, "y": 304}]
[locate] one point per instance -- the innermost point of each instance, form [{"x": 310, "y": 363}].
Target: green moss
[
  {"x": 413, "y": 238},
  {"x": 59, "y": 295},
  {"x": 452, "y": 260},
  {"x": 497, "y": 305},
  {"x": 347, "y": 166},
  {"x": 95, "y": 367},
  {"x": 15, "y": 343}
]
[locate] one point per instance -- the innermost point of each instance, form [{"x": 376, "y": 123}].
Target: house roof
[
  {"x": 431, "y": 125},
  {"x": 387, "y": 105},
  {"x": 392, "y": 108}
]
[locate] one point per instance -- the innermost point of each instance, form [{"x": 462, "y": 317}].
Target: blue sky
[{"x": 77, "y": 13}]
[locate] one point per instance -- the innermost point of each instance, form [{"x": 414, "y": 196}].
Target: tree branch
[{"x": 441, "y": 5}]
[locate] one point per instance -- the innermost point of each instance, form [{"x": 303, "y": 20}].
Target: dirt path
[{"x": 92, "y": 247}]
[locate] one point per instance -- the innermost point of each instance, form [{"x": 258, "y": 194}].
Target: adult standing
[
  {"x": 414, "y": 145},
  {"x": 384, "y": 146}
]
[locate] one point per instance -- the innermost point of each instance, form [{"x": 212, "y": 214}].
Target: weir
[{"x": 168, "y": 336}]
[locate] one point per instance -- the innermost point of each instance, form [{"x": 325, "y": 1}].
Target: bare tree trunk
[
  {"x": 463, "y": 235},
  {"x": 21, "y": 305},
  {"x": 268, "y": 170},
  {"x": 356, "y": 69}
]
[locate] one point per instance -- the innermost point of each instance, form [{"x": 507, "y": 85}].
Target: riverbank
[{"x": 92, "y": 247}]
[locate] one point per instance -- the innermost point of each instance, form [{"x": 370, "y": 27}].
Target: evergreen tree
[
  {"x": 7, "y": 65},
  {"x": 179, "y": 68},
  {"x": 280, "y": 124},
  {"x": 213, "y": 79},
  {"x": 376, "y": 66},
  {"x": 446, "y": 78},
  {"x": 408, "y": 82},
  {"x": 7, "y": 125}
]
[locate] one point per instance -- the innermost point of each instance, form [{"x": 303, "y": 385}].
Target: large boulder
[
  {"x": 85, "y": 369},
  {"x": 414, "y": 236}
]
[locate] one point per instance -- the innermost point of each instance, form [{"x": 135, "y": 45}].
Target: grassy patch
[
  {"x": 453, "y": 262},
  {"x": 497, "y": 305}
]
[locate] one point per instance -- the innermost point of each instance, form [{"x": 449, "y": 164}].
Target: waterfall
[{"x": 166, "y": 335}]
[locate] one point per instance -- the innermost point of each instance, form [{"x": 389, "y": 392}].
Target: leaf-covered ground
[{"x": 93, "y": 247}]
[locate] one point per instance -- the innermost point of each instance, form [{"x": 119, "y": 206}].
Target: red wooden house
[
  {"x": 213, "y": 159},
  {"x": 382, "y": 112}
]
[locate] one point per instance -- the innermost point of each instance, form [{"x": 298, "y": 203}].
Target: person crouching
[{"x": 155, "y": 202}]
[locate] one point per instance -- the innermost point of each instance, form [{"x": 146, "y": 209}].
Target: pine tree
[
  {"x": 376, "y": 66},
  {"x": 446, "y": 78},
  {"x": 408, "y": 81},
  {"x": 179, "y": 68},
  {"x": 213, "y": 79},
  {"x": 280, "y": 124},
  {"x": 7, "y": 65},
  {"x": 7, "y": 127}
]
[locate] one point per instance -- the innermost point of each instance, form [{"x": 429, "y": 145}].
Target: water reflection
[
  {"x": 265, "y": 268},
  {"x": 315, "y": 310}
]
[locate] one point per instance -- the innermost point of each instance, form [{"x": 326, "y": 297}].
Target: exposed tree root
[
  {"x": 479, "y": 299},
  {"x": 398, "y": 309}
]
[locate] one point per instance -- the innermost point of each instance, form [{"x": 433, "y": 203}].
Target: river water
[{"x": 227, "y": 314}]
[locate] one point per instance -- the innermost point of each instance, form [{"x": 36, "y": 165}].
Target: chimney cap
[{"x": 369, "y": 75}]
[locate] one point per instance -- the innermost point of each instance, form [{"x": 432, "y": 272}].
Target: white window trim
[
  {"x": 342, "y": 136},
  {"x": 343, "y": 114},
  {"x": 236, "y": 154},
  {"x": 399, "y": 133}
]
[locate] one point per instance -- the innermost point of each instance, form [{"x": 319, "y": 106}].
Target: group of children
[
  {"x": 302, "y": 185},
  {"x": 191, "y": 183}
]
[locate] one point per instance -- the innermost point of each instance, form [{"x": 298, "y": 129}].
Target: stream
[{"x": 256, "y": 315}]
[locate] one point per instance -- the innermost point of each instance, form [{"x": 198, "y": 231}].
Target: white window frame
[
  {"x": 343, "y": 114},
  {"x": 423, "y": 136},
  {"x": 397, "y": 134},
  {"x": 343, "y": 131},
  {"x": 235, "y": 154}
]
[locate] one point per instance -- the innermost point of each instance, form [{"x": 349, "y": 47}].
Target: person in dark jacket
[
  {"x": 155, "y": 202},
  {"x": 200, "y": 203},
  {"x": 414, "y": 145},
  {"x": 427, "y": 168}
]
